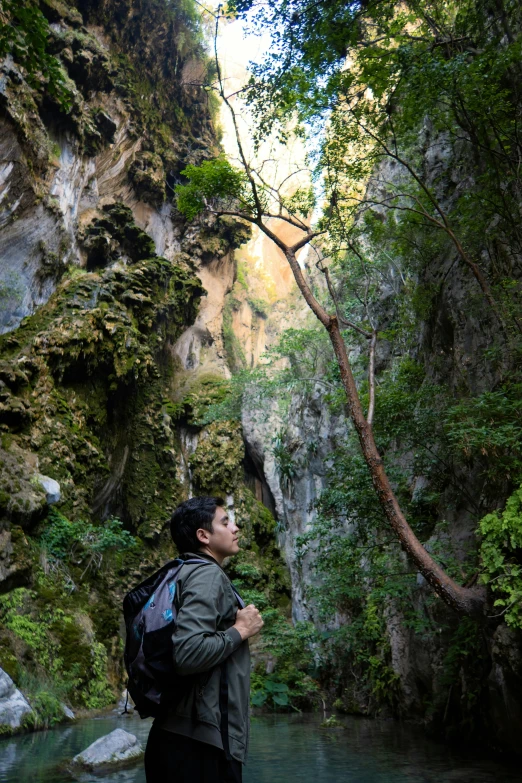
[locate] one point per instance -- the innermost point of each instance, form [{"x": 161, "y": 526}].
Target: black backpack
[{"x": 150, "y": 620}]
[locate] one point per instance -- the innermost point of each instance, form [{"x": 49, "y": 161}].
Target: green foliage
[
  {"x": 500, "y": 552},
  {"x": 286, "y": 463},
  {"x": 269, "y": 691},
  {"x": 24, "y": 33},
  {"x": 490, "y": 425},
  {"x": 259, "y": 306},
  {"x": 216, "y": 462},
  {"x": 236, "y": 359},
  {"x": 292, "y": 684},
  {"x": 46, "y": 698},
  {"x": 358, "y": 83},
  {"x": 80, "y": 541},
  {"x": 214, "y": 181},
  {"x": 48, "y": 710},
  {"x": 464, "y": 672},
  {"x": 204, "y": 392},
  {"x": 301, "y": 202},
  {"x": 60, "y": 661}
]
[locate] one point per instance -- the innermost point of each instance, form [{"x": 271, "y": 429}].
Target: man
[{"x": 189, "y": 744}]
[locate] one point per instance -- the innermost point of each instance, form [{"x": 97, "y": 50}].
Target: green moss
[
  {"x": 236, "y": 359},
  {"x": 97, "y": 345},
  {"x": 259, "y": 306},
  {"x": 241, "y": 275},
  {"x": 115, "y": 233},
  {"x": 204, "y": 390},
  {"x": 259, "y": 567},
  {"x": 151, "y": 484},
  {"x": 216, "y": 462},
  {"x": 8, "y": 661}
]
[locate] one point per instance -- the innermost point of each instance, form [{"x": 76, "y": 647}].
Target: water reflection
[
  {"x": 284, "y": 749},
  {"x": 38, "y": 757},
  {"x": 295, "y": 750}
]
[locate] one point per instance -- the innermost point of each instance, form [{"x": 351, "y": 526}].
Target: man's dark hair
[{"x": 188, "y": 517}]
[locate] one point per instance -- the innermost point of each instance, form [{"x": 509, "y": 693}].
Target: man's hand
[{"x": 248, "y": 622}]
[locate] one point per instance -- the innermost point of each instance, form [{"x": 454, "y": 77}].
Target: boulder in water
[
  {"x": 117, "y": 749},
  {"x": 13, "y": 705}
]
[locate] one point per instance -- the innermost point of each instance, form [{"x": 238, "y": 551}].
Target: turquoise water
[{"x": 284, "y": 749}]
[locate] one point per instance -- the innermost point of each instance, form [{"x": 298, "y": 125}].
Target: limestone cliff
[{"x": 111, "y": 320}]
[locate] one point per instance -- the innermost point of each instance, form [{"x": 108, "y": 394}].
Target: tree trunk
[{"x": 462, "y": 599}]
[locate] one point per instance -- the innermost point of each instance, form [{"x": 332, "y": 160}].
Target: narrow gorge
[{"x": 149, "y": 353}]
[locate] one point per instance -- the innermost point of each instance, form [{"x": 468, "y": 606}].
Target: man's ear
[{"x": 202, "y": 535}]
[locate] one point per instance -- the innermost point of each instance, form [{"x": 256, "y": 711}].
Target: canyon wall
[
  {"x": 122, "y": 326},
  {"x": 112, "y": 342},
  {"x": 460, "y": 678}
]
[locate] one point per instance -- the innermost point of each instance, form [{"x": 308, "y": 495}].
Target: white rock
[
  {"x": 67, "y": 712},
  {"x": 13, "y": 705},
  {"x": 125, "y": 701},
  {"x": 118, "y": 748},
  {"x": 51, "y": 488}
]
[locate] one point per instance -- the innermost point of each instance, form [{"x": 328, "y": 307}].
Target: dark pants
[{"x": 172, "y": 758}]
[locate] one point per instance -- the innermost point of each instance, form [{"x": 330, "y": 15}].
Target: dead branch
[{"x": 371, "y": 379}]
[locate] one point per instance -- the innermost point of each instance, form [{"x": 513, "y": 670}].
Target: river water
[{"x": 284, "y": 749}]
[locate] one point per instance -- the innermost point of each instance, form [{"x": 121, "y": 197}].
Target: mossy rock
[
  {"x": 22, "y": 497},
  {"x": 115, "y": 233},
  {"x": 148, "y": 177},
  {"x": 216, "y": 462},
  {"x": 93, "y": 353},
  {"x": 56, "y": 11},
  {"x": 19, "y": 105},
  {"x": 151, "y": 485},
  {"x": 204, "y": 390}
]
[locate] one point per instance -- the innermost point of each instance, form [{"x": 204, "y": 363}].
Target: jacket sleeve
[{"x": 198, "y": 645}]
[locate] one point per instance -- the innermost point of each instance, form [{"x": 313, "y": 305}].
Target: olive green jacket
[{"x": 203, "y": 639}]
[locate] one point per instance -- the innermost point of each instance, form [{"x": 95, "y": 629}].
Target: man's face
[{"x": 222, "y": 542}]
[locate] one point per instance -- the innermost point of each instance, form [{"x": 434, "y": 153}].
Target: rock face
[
  {"x": 88, "y": 213},
  {"x": 117, "y": 749},
  {"x": 13, "y": 706},
  {"x": 449, "y": 665},
  {"x": 111, "y": 331},
  {"x": 453, "y": 674}
]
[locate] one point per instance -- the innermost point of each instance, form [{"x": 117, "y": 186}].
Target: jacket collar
[
  {"x": 204, "y": 556},
  {"x": 199, "y": 555}
]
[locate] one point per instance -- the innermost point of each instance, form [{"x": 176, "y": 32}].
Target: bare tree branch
[{"x": 371, "y": 379}]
